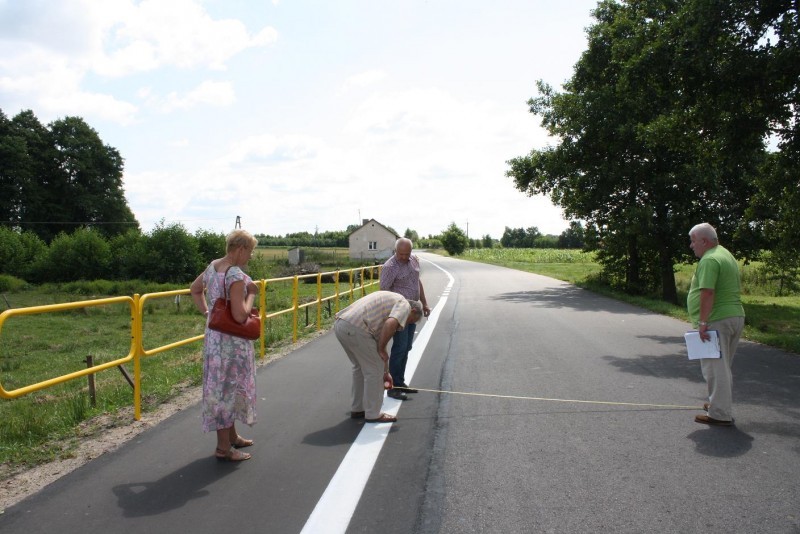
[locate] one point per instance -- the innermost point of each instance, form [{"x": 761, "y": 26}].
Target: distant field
[
  {"x": 564, "y": 264},
  {"x": 325, "y": 256},
  {"x": 272, "y": 253}
]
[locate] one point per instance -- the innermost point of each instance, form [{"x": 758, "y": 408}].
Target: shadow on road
[
  {"x": 340, "y": 434},
  {"x": 173, "y": 490},
  {"x": 762, "y": 376},
  {"x": 658, "y": 366},
  {"x": 571, "y": 297},
  {"x": 722, "y": 442}
]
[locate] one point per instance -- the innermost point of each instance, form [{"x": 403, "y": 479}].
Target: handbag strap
[{"x": 224, "y": 283}]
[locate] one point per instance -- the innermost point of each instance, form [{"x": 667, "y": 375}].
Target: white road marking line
[{"x": 335, "y": 508}]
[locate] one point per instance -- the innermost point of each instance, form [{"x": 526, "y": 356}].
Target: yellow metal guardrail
[{"x": 366, "y": 277}]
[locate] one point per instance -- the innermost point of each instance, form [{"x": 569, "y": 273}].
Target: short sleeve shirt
[
  {"x": 401, "y": 277},
  {"x": 717, "y": 270},
  {"x": 370, "y": 312}
]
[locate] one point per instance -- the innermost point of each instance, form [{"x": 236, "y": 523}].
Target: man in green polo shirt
[{"x": 714, "y": 303}]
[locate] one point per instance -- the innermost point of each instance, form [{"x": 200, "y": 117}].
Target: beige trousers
[
  {"x": 362, "y": 349},
  {"x": 717, "y": 371}
]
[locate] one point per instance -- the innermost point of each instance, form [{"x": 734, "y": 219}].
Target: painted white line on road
[{"x": 338, "y": 503}]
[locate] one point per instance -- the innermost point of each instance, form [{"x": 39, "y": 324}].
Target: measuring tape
[{"x": 607, "y": 403}]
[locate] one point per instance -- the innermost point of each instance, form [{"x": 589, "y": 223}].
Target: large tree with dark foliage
[
  {"x": 59, "y": 178},
  {"x": 663, "y": 125}
]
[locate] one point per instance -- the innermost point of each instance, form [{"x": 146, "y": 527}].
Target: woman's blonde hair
[{"x": 240, "y": 238}]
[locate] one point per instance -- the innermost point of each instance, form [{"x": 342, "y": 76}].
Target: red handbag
[{"x": 221, "y": 319}]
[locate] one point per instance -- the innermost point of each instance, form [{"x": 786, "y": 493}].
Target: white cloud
[
  {"x": 398, "y": 147},
  {"x": 180, "y": 143},
  {"x": 269, "y": 146},
  {"x": 155, "y": 34},
  {"x": 363, "y": 79},
  {"x": 208, "y": 93},
  {"x": 47, "y": 54},
  {"x": 82, "y": 104}
]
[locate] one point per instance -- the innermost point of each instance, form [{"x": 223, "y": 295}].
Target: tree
[
  {"x": 572, "y": 237},
  {"x": 12, "y": 158},
  {"x": 59, "y": 178},
  {"x": 454, "y": 240},
  {"x": 82, "y": 255},
  {"x": 93, "y": 174},
  {"x": 661, "y": 126},
  {"x": 171, "y": 254},
  {"x": 128, "y": 253},
  {"x": 11, "y": 252},
  {"x": 27, "y": 170},
  {"x": 411, "y": 234},
  {"x": 774, "y": 223},
  {"x": 210, "y": 245},
  {"x": 512, "y": 237},
  {"x": 520, "y": 237}
]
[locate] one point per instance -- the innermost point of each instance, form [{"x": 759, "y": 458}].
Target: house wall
[{"x": 372, "y": 231}]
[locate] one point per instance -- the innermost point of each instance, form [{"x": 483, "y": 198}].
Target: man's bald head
[{"x": 402, "y": 249}]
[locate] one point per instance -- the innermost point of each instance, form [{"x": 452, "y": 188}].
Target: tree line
[
  {"x": 678, "y": 112},
  {"x": 59, "y": 177},
  {"x": 167, "y": 254},
  {"x": 572, "y": 237}
]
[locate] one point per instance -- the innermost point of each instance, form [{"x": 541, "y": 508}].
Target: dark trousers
[{"x": 398, "y": 357}]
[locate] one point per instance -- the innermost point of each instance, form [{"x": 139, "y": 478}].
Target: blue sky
[{"x": 302, "y": 115}]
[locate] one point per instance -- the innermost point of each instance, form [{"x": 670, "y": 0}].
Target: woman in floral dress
[{"x": 229, "y": 377}]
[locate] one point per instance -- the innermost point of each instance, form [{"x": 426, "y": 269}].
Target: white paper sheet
[{"x": 697, "y": 348}]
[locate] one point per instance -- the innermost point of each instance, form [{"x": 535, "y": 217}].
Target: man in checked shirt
[{"x": 400, "y": 274}]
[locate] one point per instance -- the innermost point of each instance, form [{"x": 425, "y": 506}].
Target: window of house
[{"x": 373, "y": 245}]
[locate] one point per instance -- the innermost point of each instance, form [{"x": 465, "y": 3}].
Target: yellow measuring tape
[{"x": 607, "y": 403}]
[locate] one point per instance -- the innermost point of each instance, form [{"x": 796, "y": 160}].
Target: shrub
[
  {"x": 171, "y": 255},
  {"x": 454, "y": 240},
  {"x": 128, "y": 251},
  {"x": 82, "y": 255},
  {"x": 11, "y": 251},
  {"x": 210, "y": 246},
  {"x": 11, "y": 283},
  {"x": 34, "y": 249}
]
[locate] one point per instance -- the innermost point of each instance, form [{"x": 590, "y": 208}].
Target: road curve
[{"x": 545, "y": 408}]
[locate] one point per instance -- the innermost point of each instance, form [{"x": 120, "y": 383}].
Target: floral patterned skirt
[{"x": 229, "y": 381}]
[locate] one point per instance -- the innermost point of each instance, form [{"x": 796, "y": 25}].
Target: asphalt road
[{"x": 565, "y": 414}]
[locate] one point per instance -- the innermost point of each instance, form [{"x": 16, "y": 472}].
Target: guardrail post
[
  {"x": 262, "y": 312},
  {"x": 336, "y": 289},
  {"x": 351, "y": 274},
  {"x": 92, "y": 393},
  {"x": 295, "y": 304},
  {"x": 319, "y": 301},
  {"x": 136, "y": 332}
]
